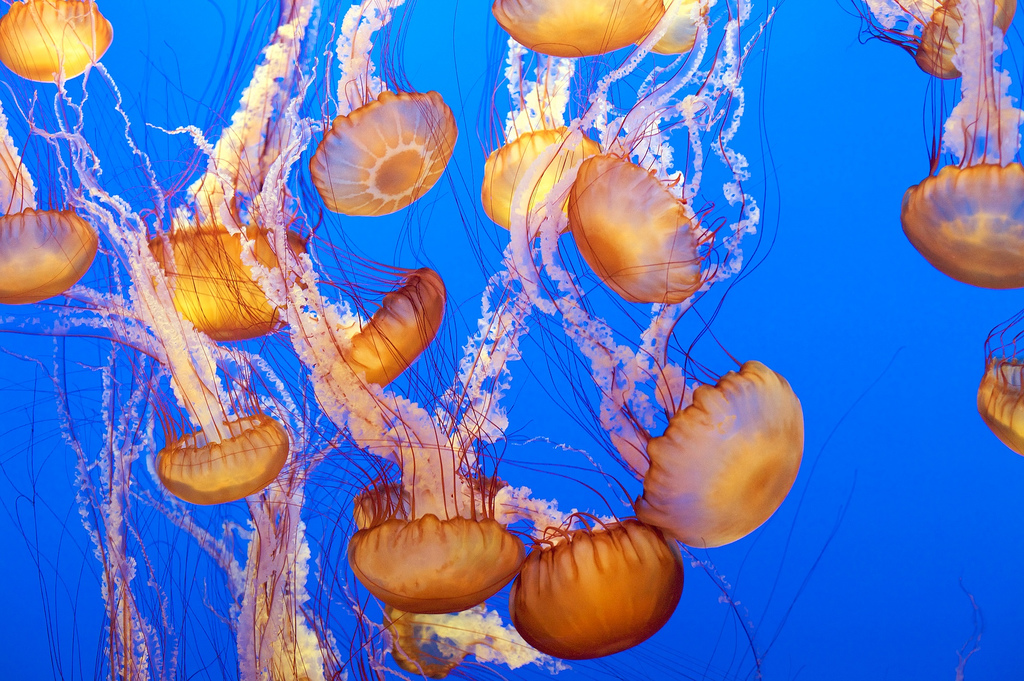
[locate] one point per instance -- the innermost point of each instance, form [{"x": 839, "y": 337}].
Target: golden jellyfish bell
[
  {"x": 431, "y": 566},
  {"x": 403, "y": 327},
  {"x": 506, "y": 167},
  {"x": 43, "y": 253},
  {"x": 597, "y": 592},
  {"x": 727, "y": 461},
  {"x": 416, "y": 648},
  {"x": 681, "y": 32},
  {"x": 384, "y": 155},
  {"x": 212, "y": 288},
  {"x": 202, "y": 472},
  {"x": 39, "y": 37},
  {"x": 969, "y": 223},
  {"x": 940, "y": 35},
  {"x": 577, "y": 28},
  {"x": 1001, "y": 401},
  {"x": 633, "y": 232}
]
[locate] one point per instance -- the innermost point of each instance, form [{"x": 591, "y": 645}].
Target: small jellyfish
[
  {"x": 384, "y": 155},
  {"x": 684, "y": 18},
  {"x": 210, "y": 285},
  {"x": 595, "y": 592},
  {"x": 43, "y": 253},
  {"x": 1001, "y": 401},
  {"x": 506, "y": 167},
  {"x": 403, "y": 327},
  {"x": 942, "y": 23},
  {"x": 577, "y": 28},
  {"x": 416, "y": 648},
  {"x": 727, "y": 461},
  {"x": 39, "y": 38},
  {"x": 430, "y": 565},
  {"x": 247, "y": 458},
  {"x": 636, "y": 236}
]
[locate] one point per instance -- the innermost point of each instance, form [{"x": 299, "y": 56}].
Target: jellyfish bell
[
  {"x": 969, "y": 223},
  {"x": 447, "y": 564},
  {"x": 508, "y": 167},
  {"x": 596, "y": 592},
  {"x": 43, "y": 253},
  {"x": 633, "y": 232},
  {"x": 1001, "y": 401},
  {"x": 40, "y": 38},
  {"x": 248, "y": 456},
  {"x": 385, "y": 154},
  {"x": 403, "y": 327},
  {"x": 210, "y": 285},
  {"x": 577, "y": 28},
  {"x": 684, "y": 18},
  {"x": 940, "y": 35},
  {"x": 727, "y": 461},
  {"x": 416, "y": 649}
]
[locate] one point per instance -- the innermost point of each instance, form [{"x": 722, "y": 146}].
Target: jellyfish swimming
[{"x": 43, "y": 40}]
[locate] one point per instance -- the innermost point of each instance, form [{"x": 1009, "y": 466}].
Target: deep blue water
[{"x": 905, "y": 502}]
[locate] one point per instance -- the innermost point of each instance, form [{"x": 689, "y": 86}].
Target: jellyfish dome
[
  {"x": 727, "y": 461},
  {"x": 577, "y": 28},
  {"x": 445, "y": 565},
  {"x": 1001, "y": 401},
  {"x": 43, "y": 253},
  {"x": 384, "y": 155},
  {"x": 597, "y": 592},
  {"x": 635, "y": 235},
  {"x": 940, "y": 35},
  {"x": 684, "y": 18},
  {"x": 508, "y": 166},
  {"x": 198, "y": 470},
  {"x": 211, "y": 286},
  {"x": 969, "y": 223},
  {"x": 403, "y": 327},
  {"x": 40, "y": 37}
]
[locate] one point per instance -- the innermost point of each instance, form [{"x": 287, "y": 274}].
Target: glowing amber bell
[
  {"x": 39, "y": 36},
  {"x": 43, "y": 253}
]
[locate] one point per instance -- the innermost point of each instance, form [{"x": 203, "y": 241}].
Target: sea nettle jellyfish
[
  {"x": 577, "y": 28},
  {"x": 1001, "y": 392},
  {"x": 44, "y": 40},
  {"x": 727, "y": 461},
  {"x": 593, "y": 592}
]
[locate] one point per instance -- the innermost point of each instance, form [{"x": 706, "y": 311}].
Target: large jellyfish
[{"x": 46, "y": 40}]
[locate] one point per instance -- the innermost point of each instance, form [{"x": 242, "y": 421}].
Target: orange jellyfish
[
  {"x": 1001, "y": 401},
  {"x": 248, "y": 457},
  {"x": 414, "y": 648},
  {"x": 595, "y": 592},
  {"x": 403, "y": 327},
  {"x": 447, "y": 564},
  {"x": 577, "y": 28},
  {"x": 968, "y": 220},
  {"x": 43, "y": 253},
  {"x": 727, "y": 461},
  {"x": 637, "y": 237},
  {"x": 507, "y": 167},
  {"x": 210, "y": 285},
  {"x": 40, "y": 38},
  {"x": 385, "y": 154},
  {"x": 684, "y": 18}
]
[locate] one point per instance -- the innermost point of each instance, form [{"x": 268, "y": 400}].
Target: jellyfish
[
  {"x": 636, "y": 236},
  {"x": 682, "y": 20},
  {"x": 577, "y": 28},
  {"x": 968, "y": 219},
  {"x": 405, "y": 324},
  {"x": 211, "y": 286},
  {"x": 595, "y": 592},
  {"x": 46, "y": 40},
  {"x": 727, "y": 461},
  {"x": 509, "y": 165},
  {"x": 1000, "y": 403}
]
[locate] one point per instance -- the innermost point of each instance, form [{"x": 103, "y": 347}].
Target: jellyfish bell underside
[
  {"x": 384, "y": 155},
  {"x": 597, "y": 592},
  {"x": 1001, "y": 402},
  {"x": 39, "y": 37},
  {"x": 727, "y": 461},
  {"x": 446, "y": 565},
  {"x": 969, "y": 223},
  {"x": 199, "y": 471},
  {"x": 43, "y": 253},
  {"x": 210, "y": 285},
  {"x": 506, "y": 168},
  {"x": 635, "y": 235},
  {"x": 417, "y": 649},
  {"x": 681, "y": 32},
  {"x": 400, "y": 330},
  {"x": 940, "y": 35},
  {"x": 577, "y": 28}
]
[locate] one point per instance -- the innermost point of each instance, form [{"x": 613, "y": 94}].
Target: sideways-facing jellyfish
[
  {"x": 42, "y": 39},
  {"x": 1001, "y": 392},
  {"x": 384, "y": 150},
  {"x": 968, "y": 220}
]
